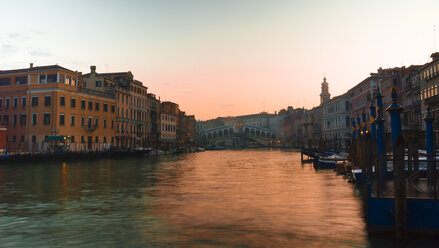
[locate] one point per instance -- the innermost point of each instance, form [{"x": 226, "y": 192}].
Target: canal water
[{"x": 246, "y": 198}]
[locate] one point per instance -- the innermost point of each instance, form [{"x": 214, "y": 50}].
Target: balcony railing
[{"x": 90, "y": 128}]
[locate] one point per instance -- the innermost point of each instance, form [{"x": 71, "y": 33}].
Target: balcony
[{"x": 90, "y": 128}]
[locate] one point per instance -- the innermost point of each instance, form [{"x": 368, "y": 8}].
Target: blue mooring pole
[
  {"x": 353, "y": 129},
  {"x": 395, "y": 117},
  {"x": 363, "y": 123},
  {"x": 381, "y": 167},
  {"x": 429, "y": 142},
  {"x": 358, "y": 126},
  {"x": 372, "y": 121}
]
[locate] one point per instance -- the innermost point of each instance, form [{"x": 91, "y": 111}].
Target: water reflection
[{"x": 254, "y": 198}]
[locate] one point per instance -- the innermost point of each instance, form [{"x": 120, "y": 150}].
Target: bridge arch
[
  {"x": 220, "y": 133},
  {"x": 258, "y": 133},
  {"x": 252, "y": 131},
  {"x": 209, "y": 136},
  {"x": 215, "y": 134},
  {"x": 226, "y": 132},
  {"x": 230, "y": 130}
]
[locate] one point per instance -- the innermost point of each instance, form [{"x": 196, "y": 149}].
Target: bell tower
[{"x": 324, "y": 96}]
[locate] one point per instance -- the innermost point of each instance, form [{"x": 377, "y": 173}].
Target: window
[
  {"x": 82, "y": 121},
  {"x": 89, "y": 121},
  {"x": 61, "y": 119},
  {"x": 68, "y": 80},
  {"x": 46, "y": 119},
  {"x": 7, "y": 102},
  {"x": 105, "y": 123},
  {"x": 15, "y": 102},
  {"x": 1, "y": 103},
  {"x": 42, "y": 79},
  {"x": 20, "y": 80},
  {"x": 34, "y": 101},
  {"x": 97, "y": 106},
  {"x": 6, "y": 119},
  {"x": 23, "y": 101},
  {"x": 105, "y": 107},
  {"x": 112, "y": 108},
  {"x": 72, "y": 139},
  {"x": 34, "y": 119},
  {"x": 23, "y": 119},
  {"x": 112, "y": 124},
  {"x": 72, "y": 122},
  {"x": 5, "y": 81},
  {"x": 14, "y": 138},
  {"x": 22, "y": 138},
  {"x": 96, "y": 123},
  {"x": 73, "y": 103},
  {"x": 82, "y": 139},
  {"x": 105, "y": 139},
  {"x": 47, "y": 100},
  {"x": 98, "y": 83},
  {"x": 52, "y": 78},
  {"x": 97, "y": 139},
  {"x": 14, "y": 120},
  {"x": 34, "y": 138},
  {"x": 62, "y": 101},
  {"x": 90, "y": 105}
]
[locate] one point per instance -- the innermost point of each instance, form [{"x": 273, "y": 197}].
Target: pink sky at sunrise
[{"x": 224, "y": 58}]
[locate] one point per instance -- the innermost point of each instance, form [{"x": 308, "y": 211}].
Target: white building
[{"x": 336, "y": 120}]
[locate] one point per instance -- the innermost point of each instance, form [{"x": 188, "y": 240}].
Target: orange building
[
  {"x": 38, "y": 102},
  {"x": 133, "y": 116},
  {"x": 100, "y": 82}
]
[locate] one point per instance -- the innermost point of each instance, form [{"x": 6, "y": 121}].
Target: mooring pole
[
  {"x": 353, "y": 130},
  {"x": 429, "y": 141},
  {"x": 372, "y": 121},
  {"x": 395, "y": 117},
  {"x": 381, "y": 167},
  {"x": 400, "y": 190},
  {"x": 358, "y": 126},
  {"x": 363, "y": 123},
  {"x": 398, "y": 169}
]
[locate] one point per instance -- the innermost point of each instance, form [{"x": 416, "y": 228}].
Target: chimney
[
  {"x": 435, "y": 56},
  {"x": 31, "y": 65},
  {"x": 93, "y": 69}
]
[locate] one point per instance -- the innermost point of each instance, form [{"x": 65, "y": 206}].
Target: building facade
[
  {"x": 38, "y": 102},
  {"x": 336, "y": 121}
]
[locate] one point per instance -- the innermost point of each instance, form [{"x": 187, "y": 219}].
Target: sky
[{"x": 223, "y": 57}]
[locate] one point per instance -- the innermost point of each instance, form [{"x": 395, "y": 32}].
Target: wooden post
[
  {"x": 400, "y": 190},
  {"x": 410, "y": 156},
  {"x": 415, "y": 157},
  {"x": 368, "y": 155}
]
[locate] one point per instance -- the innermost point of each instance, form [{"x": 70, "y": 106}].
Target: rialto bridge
[{"x": 239, "y": 134}]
